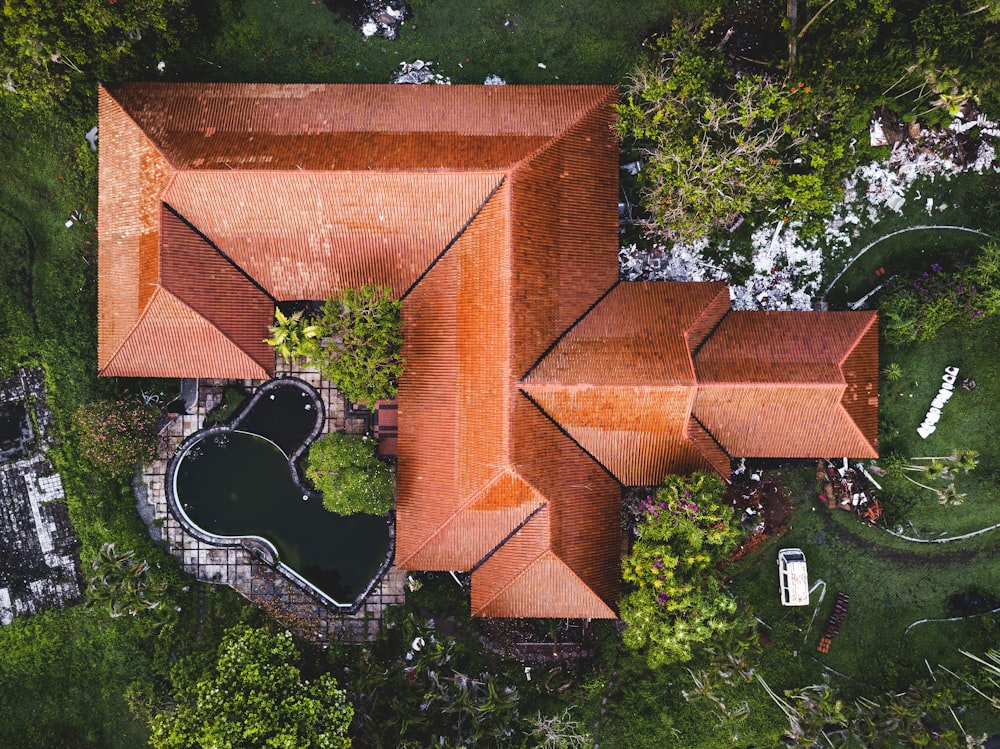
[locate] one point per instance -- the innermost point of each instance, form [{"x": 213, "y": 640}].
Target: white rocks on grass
[
  {"x": 418, "y": 72},
  {"x": 787, "y": 267}
]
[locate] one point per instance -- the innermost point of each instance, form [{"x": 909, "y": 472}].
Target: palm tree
[
  {"x": 949, "y": 496},
  {"x": 121, "y": 583},
  {"x": 292, "y": 337},
  {"x": 893, "y": 372}
]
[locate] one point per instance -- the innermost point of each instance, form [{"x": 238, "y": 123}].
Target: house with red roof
[{"x": 537, "y": 384}]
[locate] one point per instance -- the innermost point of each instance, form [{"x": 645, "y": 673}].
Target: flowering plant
[
  {"x": 676, "y": 602},
  {"x": 115, "y": 435}
]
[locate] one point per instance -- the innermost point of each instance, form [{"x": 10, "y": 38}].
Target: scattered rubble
[
  {"x": 418, "y": 72},
  {"x": 38, "y": 562}
]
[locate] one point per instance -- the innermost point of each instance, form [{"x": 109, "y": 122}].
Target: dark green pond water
[{"x": 241, "y": 485}]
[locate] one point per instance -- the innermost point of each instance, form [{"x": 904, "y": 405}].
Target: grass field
[
  {"x": 968, "y": 421},
  {"x": 590, "y": 41}
]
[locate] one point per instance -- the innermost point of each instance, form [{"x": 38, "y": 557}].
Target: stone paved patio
[{"x": 249, "y": 570}]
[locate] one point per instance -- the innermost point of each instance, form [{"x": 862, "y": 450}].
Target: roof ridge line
[
  {"x": 872, "y": 320},
  {"x": 532, "y": 563},
  {"x": 569, "y": 436},
  {"x": 173, "y": 166},
  {"x": 553, "y": 139},
  {"x": 215, "y": 247},
  {"x": 466, "y": 503},
  {"x": 511, "y": 535},
  {"x": 566, "y": 332},
  {"x": 708, "y": 336},
  {"x": 699, "y": 422},
  {"x": 235, "y": 345},
  {"x": 856, "y": 428},
  {"x": 461, "y": 231}
]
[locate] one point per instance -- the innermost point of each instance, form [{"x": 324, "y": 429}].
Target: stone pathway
[{"x": 249, "y": 568}]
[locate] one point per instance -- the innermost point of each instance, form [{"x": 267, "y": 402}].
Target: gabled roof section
[
  {"x": 301, "y": 235},
  {"x": 621, "y": 381},
  {"x": 455, "y": 392},
  {"x": 637, "y": 433},
  {"x": 564, "y": 230},
  {"x": 167, "y": 325},
  {"x": 781, "y": 347},
  {"x": 353, "y": 127},
  {"x": 666, "y": 321},
  {"x": 778, "y": 421},
  {"x": 860, "y": 370},
  {"x": 128, "y": 227},
  {"x": 525, "y": 578},
  {"x": 776, "y": 384}
]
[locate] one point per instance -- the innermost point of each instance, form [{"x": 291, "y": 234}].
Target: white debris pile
[
  {"x": 382, "y": 18},
  {"x": 661, "y": 262},
  {"x": 494, "y": 80},
  {"x": 418, "y": 72}
]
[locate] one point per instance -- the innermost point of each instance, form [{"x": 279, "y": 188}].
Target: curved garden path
[{"x": 921, "y": 227}]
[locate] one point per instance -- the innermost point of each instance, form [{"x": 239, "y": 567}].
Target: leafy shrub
[
  {"x": 362, "y": 338},
  {"x": 676, "y": 602},
  {"x": 916, "y": 309},
  {"x": 346, "y": 470},
  {"x": 254, "y": 696},
  {"x": 233, "y": 398},
  {"x": 717, "y": 145},
  {"x": 115, "y": 435}
]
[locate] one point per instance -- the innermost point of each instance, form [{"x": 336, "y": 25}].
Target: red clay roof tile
[{"x": 499, "y": 204}]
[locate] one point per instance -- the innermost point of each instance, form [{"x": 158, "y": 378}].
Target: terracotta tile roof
[
  {"x": 532, "y": 375},
  {"x": 653, "y": 349},
  {"x": 128, "y": 227},
  {"x": 564, "y": 231},
  {"x": 525, "y": 578},
  {"x": 301, "y": 235},
  {"x": 167, "y": 324},
  {"x": 773, "y": 384},
  {"x": 354, "y": 127},
  {"x": 624, "y": 392},
  {"x": 780, "y": 347}
]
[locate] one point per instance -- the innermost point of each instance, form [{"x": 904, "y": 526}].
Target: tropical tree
[
  {"x": 362, "y": 342},
  {"x": 254, "y": 696},
  {"x": 716, "y": 146},
  {"x": 434, "y": 696},
  {"x": 121, "y": 583},
  {"x": 293, "y": 337},
  {"x": 675, "y": 602},
  {"x": 933, "y": 468},
  {"x": 345, "y": 468},
  {"x": 48, "y": 47}
]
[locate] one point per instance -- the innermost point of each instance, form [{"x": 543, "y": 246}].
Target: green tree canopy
[
  {"x": 362, "y": 339},
  {"x": 346, "y": 470},
  {"x": 47, "y": 47},
  {"x": 675, "y": 602},
  {"x": 716, "y": 146},
  {"x": 254, "y": 696}
]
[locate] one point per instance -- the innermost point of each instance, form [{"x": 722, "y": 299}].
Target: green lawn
[
  {"x": 900, "y": 254},
  {"x": 968, "y": 421},
  {"x": 589, "y": 41},
  {"x": 889, "y": 588},
  {"x": 969, "y": 200}
]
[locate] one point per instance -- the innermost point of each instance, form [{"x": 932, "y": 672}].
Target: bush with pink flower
[{"x": 115, "y": 435}]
